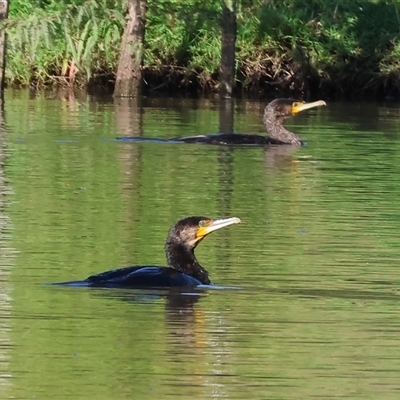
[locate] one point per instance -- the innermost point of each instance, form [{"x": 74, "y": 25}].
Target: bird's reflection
[
  {"x": 277, "y": 158},
  {"x": 191, "y": 330},
  {"x": 184, "y": 319},
  {"x": 178, "y": 301}
]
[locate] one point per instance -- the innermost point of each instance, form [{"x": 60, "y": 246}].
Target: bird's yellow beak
[
  {"x": 298, "y": 106},
  {"x": 210, "y": 225}
]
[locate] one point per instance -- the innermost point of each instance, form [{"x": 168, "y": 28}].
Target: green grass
[{"x": 341, "y": 48}]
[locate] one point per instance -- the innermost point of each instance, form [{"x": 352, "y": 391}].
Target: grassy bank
[{"x": 341, "y": 48}]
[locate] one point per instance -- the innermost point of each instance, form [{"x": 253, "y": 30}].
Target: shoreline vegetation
[{"x": 338, "y": 49}]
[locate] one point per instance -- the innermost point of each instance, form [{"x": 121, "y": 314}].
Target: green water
[{"x": 316, "y": 256}]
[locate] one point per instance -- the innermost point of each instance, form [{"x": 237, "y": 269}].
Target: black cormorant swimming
[
  {"x": 183, "y": 268},
  {"x": 274, "y": 114}
]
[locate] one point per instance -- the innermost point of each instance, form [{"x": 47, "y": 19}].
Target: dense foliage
[{"x": 339, "y": 47}]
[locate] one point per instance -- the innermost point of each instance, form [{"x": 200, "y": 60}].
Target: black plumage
[
  {"x": 183, "y": 268},
  {"x": 274, "y": 114}
]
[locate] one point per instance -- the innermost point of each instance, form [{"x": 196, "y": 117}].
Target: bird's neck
[
  {"x": 277, "y": 131},
  {"x": 182, "y": 258}
]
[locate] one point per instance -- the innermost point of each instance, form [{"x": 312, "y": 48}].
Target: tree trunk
[
  {"x": 129, "y": 73},
  {"x": 3, "y": 43},
  {"x": 227, "y": 70}
]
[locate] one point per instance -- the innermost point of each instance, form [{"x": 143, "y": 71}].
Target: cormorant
[
  {"x": 183, "y": 268},
  {"x": 274, "y": 114}
]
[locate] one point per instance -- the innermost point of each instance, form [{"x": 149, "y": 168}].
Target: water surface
[{"x": 316, "y": 256}]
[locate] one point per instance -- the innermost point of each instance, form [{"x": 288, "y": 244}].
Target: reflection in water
[
  {"x": 7, "y": 253},
  {"x": 129, "y": 116},
  {"x": 225, "y": 158},
  {"x": 278, "y": 158},
  {"x": 177, "y": 301},
  {"x": 317, "y": 253},
  {"x": 225, "y": 179},
  {"x": 197, "y": 348},
  {"x": 226, "y": 115}
]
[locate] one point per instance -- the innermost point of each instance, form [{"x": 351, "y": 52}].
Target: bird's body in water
[
  {"x": 183, "y": 268},
  {"x": 274, "y": 114}
]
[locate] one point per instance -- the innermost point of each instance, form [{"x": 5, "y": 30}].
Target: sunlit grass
[{"x": 339, "y": 46}]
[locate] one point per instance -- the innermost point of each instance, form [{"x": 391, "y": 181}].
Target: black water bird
[
  {"x": 274, "y": 114},
  {"x": 183, "y": 268}
]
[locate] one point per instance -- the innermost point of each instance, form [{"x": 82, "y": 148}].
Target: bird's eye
[{"x": 202, "y": 223}]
